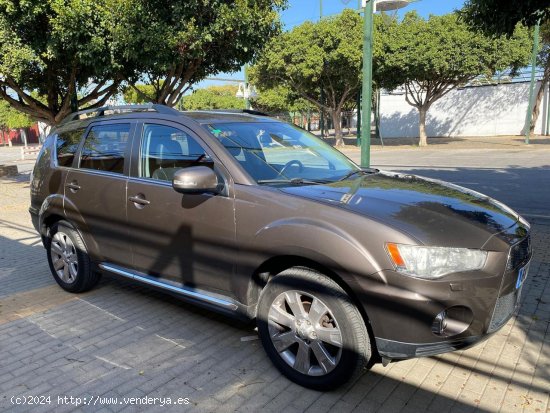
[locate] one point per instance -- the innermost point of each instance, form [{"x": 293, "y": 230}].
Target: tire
[
  {"x": 68, "y": 259},
  {"x": 323, "y": 347}
]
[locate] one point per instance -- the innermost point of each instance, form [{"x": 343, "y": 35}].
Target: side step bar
[{"x": 216, "y": 300}]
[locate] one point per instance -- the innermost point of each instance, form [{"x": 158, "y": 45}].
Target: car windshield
[{"x": 277, "y": 153}]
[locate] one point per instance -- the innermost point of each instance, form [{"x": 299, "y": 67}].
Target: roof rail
[
  {"x": 249, "y": 111},
  {"x": 166, "y": 110},
  {"x": 255, "y": 112}
]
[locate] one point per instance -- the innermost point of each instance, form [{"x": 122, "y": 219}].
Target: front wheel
[{"x": 311, "y": 330}]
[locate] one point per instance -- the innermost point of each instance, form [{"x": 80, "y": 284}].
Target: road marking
[
  {"x": 535, "y": 216},
  {"x": 170, "y": 341},
  {"x": 113, "y": 363},
  {"x": 101, "y": 309}
]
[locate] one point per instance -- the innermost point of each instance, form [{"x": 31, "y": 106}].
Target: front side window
[
  {"x": 104, "y": 148},
  {"x": 275, "y": 152},
  {"x": 165, "y": 149},
  {"x": 66, "y": 146}
]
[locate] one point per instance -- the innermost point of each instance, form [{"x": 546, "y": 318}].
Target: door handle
[
  {"x": 73, "y": 186},
  {"x": 140, "y": 200}
]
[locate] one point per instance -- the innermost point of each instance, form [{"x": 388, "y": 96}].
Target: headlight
[{"x": 434, "y": 262}]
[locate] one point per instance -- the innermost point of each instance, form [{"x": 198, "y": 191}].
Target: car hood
[{"x": 432, "y": 211}]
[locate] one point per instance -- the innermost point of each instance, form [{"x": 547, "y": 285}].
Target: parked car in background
[{"x": 339, "y": 266}]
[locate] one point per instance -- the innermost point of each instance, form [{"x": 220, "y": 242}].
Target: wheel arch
[
  {"x": 277, "y": 264},
  {"x": 49, "y": 220}
]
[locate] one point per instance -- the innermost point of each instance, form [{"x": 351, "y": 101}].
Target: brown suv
[{"x": 244, "y": 214}]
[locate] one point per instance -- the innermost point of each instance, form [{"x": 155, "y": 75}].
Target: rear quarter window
[{"x": 66, "y": 146}]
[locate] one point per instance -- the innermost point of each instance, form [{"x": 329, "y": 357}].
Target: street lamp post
[
  {"x": 366, "y": 93},
  {"x": 366, "y": 90}
]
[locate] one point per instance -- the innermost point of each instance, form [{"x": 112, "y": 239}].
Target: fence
[{"x": 15, "y": 136}]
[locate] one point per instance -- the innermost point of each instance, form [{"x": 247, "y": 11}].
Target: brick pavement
[{"x": 121, "y": 340}]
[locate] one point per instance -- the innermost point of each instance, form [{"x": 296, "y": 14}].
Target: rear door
[
  {"x": 183, "y": 240},
  {"x": 95, "y": 191}
]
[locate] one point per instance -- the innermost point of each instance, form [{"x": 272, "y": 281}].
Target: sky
[
  {"x": 299, "y": 11},
  {"x": 302, "y": 10}
]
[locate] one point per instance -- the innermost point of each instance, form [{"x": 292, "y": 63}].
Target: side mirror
[{"x": 195, "y": 180}]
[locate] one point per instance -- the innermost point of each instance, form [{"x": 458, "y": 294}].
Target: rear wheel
[
  {"x": 68, "y": 259},
  {"x": 311, "y": 330}
]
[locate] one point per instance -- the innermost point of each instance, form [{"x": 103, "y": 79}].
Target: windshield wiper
[
  {"x": 362, "y": 171},
  {"x": 293, "y": 181}
]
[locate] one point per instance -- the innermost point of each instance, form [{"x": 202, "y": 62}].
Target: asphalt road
[{"x": 519, "y": 178}]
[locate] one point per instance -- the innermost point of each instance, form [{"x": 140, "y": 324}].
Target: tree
[
  {"x": 181, "y": 43},
  {"x": 502, "y": 16},
  {"x": 137, "y": 94},
  {"x": 281, "y": 100},
  {"x": 13, "y": 119},
  {"x": 273, "y": 100},
  {"x": 435, "y": 56},
  {"x": 213, "y": 97},
  {"x": 543, "y": 60},
  {"x": 312, "y": 56},
  {"x": 50, "y": 48},
  {"x": 498, "y": 17}
]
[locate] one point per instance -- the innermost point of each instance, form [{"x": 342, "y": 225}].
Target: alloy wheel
[
  {"x": 305, "y": 333},
  {"x": 64, "y": 257}
]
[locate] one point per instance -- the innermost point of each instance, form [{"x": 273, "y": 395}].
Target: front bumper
[
  {"x": 396, "y": 350},
  {"x": 402, "y": 310}
]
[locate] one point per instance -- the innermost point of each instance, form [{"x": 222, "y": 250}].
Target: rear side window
[
  {"x": 104, "y": 148},
  {"x": 66, "y": 146}
]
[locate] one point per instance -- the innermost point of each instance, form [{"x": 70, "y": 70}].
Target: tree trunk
[
  {"x": 423, "y": 138},
  {"x": 538, "y": 101},
  {"x": 23, "y": 134},
  {"x": 337, "y": 125}
]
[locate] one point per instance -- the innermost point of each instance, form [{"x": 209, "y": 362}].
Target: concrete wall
[{"x": 473, "y": 111}]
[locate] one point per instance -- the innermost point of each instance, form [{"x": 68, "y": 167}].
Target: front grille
[
  {"x": 504, "y": 308},
  {"x": 519, "y": 253}
]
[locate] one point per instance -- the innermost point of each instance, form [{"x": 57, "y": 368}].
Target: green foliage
[
  {"x": 544, "y": 53},
  {"x": 48, "y": 45},
  {"x": 137, "y": 94},
  {"x": 446, "y": 52},
  {"x": 11, "y": 118},
  {"x": 432, "y": 57},
  {"x": 502, "y": 16},
  {"x": 180, "y": 43},
  {"x": 496, "y": 17},
  {"x": 280, "y": 99},
  {"x": 213, "y": 97},
  {"x": 326, "y": 54}
]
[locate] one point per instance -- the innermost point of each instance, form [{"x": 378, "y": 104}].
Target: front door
[
  {"x": 95, "y": 192},
  {"x": 183, "y": 240}
]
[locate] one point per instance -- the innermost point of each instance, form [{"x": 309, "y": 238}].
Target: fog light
[
  {"x": 440, "y": 323},
  {"x": 452, "y": 321}
]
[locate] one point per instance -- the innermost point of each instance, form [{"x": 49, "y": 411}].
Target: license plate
[{"x": 522, "y": 275}]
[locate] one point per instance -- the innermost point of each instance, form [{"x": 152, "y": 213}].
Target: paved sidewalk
[{"x": 121, "y": 340}]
